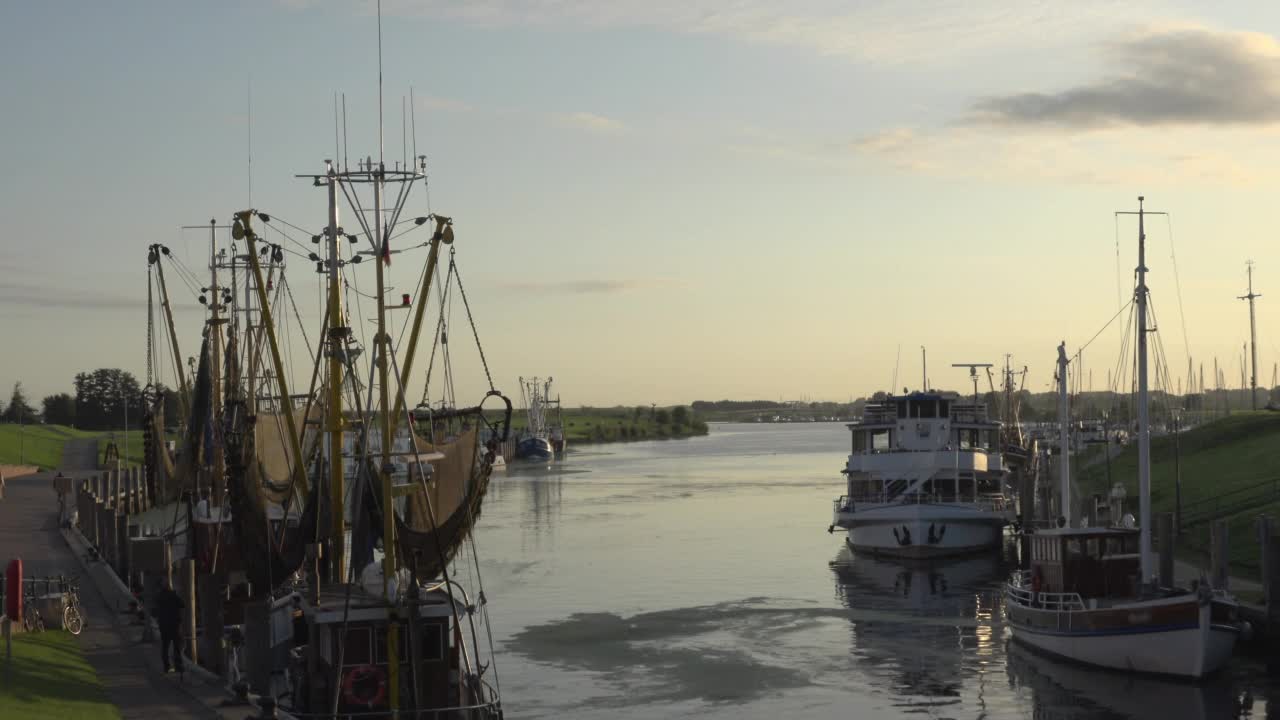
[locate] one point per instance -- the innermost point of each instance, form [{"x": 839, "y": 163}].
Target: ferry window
[
  {"x": 880, "y": 440},
  {"x": 944, "y": 409},
  {"x": 928, "y": 409},
  {"x": 1073, "y": 547},
  {"x": 1093, "y": 548},
  {"x": 902, "y": 408}
]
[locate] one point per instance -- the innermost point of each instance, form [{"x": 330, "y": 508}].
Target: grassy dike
[
  {"x": 42, "y": 444},
  {"x": 51, "y": 679},
  {"x": 1218, "y": 457},
  {"x": 624, "y": 424}
]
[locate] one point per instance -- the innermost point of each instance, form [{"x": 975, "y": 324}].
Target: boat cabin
[
  {"x": 924, "y": 421},
  {"x": 1093, "y": 562}
]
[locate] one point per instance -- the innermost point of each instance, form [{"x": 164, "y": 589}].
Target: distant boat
[
  {"x": 924, "y": 478},
  {"x": 542, "y": 439}
]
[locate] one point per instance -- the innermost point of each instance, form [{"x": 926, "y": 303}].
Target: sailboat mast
[
  {"x": 215, "y": 357},
  {"x": 1064, "y": 437},
  {"x": 1144, "y": 421},
  {"x": 184, "y": 392},
  {"x": 336, "y": 334}
]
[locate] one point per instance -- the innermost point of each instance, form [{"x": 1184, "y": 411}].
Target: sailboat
[{"x": 1090, "y": 594}]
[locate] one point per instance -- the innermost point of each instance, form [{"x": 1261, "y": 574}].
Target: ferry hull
[
  {"x": 921, "y": 531},
  {"x": 1190, "y": 645}
]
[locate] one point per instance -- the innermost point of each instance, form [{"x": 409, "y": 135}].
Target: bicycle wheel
[
  {"x": 39, "y": 622},
  {"x": 72, "y": 621}
]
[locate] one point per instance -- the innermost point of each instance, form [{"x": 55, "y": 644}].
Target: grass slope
[
  {"x": 1217, "y": 458},
  {"x": 52, "y": 680},
  {"x": 42, "y": 444}
]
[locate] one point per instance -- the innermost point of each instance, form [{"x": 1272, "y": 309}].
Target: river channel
[{"x": 696, "y": 578}]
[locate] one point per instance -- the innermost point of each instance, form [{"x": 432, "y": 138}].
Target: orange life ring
[{"x": 361, "y": 675}]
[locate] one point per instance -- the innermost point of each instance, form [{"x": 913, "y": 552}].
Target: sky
[{"x": 666, "y": 201}]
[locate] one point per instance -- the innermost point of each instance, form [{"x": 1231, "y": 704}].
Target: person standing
[{"x": 168, "y": 612}]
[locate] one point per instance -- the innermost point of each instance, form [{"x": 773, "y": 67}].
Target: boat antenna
[
  {"x": 897, "y": 361},
  {"x": 1064, "y": 438},
  {"x": 1253, "y": 339},
  {"x": 924, "y": 370},
  {"x": 973, "y": 375},
  {"x": 249, "y": 103}
]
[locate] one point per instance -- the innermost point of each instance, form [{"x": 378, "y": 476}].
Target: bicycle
[
  {"x": 72, "y": 615},
  {"x": 32, "y": 621}
]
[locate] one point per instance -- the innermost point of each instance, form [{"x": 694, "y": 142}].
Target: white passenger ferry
[{"x": 924, "y": 478}]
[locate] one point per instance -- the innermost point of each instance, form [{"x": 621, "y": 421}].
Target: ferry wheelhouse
[{"x": 924, "y": 478}]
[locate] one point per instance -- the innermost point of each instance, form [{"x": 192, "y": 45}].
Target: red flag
[{"x": 386, "y": 252}]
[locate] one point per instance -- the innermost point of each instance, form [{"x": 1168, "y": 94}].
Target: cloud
[
  {"x": 583, "y": 287},
  {"x": 63, "y": 297},
  {"x": 590, "y": 122},
  {"x": 1182, "y": 76}
]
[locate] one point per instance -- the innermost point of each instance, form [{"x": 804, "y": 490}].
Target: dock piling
[
  {"x": 189, "y": 612},
  {"x": 1164, "y": 528},
  {"x": 1264, "y": 555},
  {"x": 1218, "y": 555}
]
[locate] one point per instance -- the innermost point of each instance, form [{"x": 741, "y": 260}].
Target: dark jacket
[{"x": 168, "y": 608}]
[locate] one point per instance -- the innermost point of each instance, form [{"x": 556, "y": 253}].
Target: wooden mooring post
[
  {"x": 1264, "y": 555},
  {"x": 1219, "y": 551},
  {"x": 1164, "y": 530},
  {"x": 189, "y": 612}
]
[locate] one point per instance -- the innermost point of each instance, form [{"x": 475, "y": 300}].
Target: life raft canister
[{"x": 364, "y": 685}]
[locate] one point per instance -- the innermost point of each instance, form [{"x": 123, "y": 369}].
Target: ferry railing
[{"x": 990, "y": 502}]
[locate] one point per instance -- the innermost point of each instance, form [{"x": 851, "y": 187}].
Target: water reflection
[
  {"x": 932, "y": 635},
  {"x": 1061, "y": 689},
  {"x": 938, "y": 631}
]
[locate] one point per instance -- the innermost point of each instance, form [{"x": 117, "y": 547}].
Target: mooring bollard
[
  {"x": 1219, "y": 550},
  {"x": 1164, "y": 528}
]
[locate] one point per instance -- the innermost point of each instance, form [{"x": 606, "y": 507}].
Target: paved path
[
  {"x": 129, "y": 671},
  {"x": 79, "y": 454}
]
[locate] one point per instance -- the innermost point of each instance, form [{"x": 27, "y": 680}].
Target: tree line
[{"x": 104, "y": 399}]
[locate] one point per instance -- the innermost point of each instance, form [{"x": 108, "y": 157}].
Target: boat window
[
  {"x": 1073, "y": 547},
  {"x": 880, "y": 440},
  {"x": 1093, "y": 550},
  {"x": 433, "y": 642},
  {"x": 944, "y": 408},
  {"x": 357, "y": 651},
  {"x": 902, "y": 408},
  {"x": 927, "y": 408}
]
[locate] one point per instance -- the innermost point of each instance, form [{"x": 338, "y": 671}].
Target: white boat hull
[
  {"x": 921, "y": 530},
  {"x": 1189, "y": 650}
]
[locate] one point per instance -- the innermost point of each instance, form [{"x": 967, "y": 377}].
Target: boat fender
[
  {"x": 364, "y": 685},
  {"x": 1204, "y": 595},
  {"x": 1246, "y": 631}
]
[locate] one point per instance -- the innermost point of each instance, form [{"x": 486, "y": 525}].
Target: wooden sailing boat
[{"x": 1090, "y": 594}]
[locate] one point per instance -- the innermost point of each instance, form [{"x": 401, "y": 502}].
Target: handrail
[
  {"x": 1016, "y": 590},
  {"x": 989, "y": 501}
]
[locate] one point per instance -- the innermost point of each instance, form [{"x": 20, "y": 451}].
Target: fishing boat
[
  {"x": 1090, "y": 594},
  {"x": 333, "y": 517},
  {"x": 924, "y": 478},
  {"x": 543, "y": 437}
]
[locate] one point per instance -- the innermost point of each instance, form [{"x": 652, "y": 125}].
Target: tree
[
  {"x": 661, "y": 416},
  {"x": 679, "y": 415},
  {"x": 59, "y": 409},
  {"x": 105, "y": 397},
  {"x": 19, "y": 410}
]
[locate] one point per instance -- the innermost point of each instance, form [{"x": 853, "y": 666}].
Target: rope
[
  {"x": 475, "y": 333},
  {"x": 1177, "y": 284}
]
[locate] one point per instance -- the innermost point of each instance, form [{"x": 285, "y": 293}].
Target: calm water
[{"x": 696, "y": 578}]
